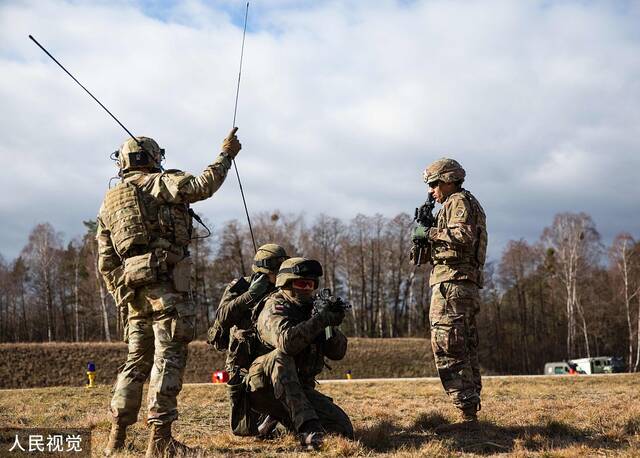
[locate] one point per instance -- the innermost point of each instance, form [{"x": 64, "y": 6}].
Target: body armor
[
  {"x": 460, "y": 261},
  {"x": 150, "y": 236}
]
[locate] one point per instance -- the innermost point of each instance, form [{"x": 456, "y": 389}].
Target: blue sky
[{"x": 342, "y": 106}]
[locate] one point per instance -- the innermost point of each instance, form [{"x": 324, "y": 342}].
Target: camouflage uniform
[
  {"x": 282, "y": 382},
  {"x": 144, "y": 229},
  {"x": 235, "y": 312},
  {"x": 458, "y": 247}
]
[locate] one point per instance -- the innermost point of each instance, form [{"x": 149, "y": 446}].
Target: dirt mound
[{"x": 64, "y": 364}]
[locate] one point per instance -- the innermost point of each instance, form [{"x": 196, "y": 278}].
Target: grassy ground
[{"x": 569, "y": 416}]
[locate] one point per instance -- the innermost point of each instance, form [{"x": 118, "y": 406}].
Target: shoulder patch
[{"x": 460, "y": 209}]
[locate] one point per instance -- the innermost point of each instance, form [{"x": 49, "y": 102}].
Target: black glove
[
  {"x": 331, "y": 314},
  {"x": 259, "y": 287}
]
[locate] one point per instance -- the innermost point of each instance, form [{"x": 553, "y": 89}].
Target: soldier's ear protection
[{"x": 139, "y": 158}]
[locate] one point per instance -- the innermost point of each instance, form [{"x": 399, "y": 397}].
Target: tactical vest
[
  {"x": 140, "y": 222},
  {"x": 239, "y": 340},
  {"x": 461, "y": 262}
]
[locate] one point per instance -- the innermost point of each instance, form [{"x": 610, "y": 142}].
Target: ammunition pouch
[
  {"x": 143, "y": 269},
  {"x": 122, "y": 295}
]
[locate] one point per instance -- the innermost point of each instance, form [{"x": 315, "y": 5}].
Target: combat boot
[
  {"x": 469, "y": 422},
  {"x": 267, "y": 427},
  {"x": 162, "y": 444},
  {"x": 311, "y": 435},
  {"x": 470, "y": 414},
  {"x": 116, "y": 440}
]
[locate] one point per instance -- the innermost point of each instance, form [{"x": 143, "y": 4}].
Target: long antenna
[
  {"x": 235, "y": 110},
  {"x": 85, "y": 89}
]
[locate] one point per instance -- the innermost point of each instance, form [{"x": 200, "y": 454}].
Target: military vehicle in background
[{"x": 586, "y": 366}]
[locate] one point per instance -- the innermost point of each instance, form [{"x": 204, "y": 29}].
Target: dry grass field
[{"x": 568, "y": 416}]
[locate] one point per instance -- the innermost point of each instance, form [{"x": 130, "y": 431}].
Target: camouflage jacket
[
  {"x": 149, "y": 211},
  {"x": 292, "y": 328},
  {"x": 235, "y": 316},
  {"x": 459, "y": 240}
]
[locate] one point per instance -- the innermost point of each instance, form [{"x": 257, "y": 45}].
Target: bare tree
[
  {"x": 574, "y": 241},
  {"x": 91, "y": 250},
  {"x": 624, "y": 260},
  {"x": 41, "y": 254}
]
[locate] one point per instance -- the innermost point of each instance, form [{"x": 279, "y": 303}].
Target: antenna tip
[{"x": 31, "y": 36}]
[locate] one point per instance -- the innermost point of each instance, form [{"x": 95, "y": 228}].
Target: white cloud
[{"x": 342, "y": 105}]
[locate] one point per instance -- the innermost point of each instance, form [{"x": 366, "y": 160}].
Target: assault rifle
[
  {"x": 334, "y": 303},
  {"x": 424, "y": 217}
]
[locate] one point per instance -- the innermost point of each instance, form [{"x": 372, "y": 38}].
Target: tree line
[{"x": 563, "y": 296}]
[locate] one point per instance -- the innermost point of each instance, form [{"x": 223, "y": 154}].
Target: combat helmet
[
  {"x": 445, "y": 169},
  {"x": 294, "y": 268},
  {"x": 141, "y": 154},
  {"x": 268, "y": 258}
]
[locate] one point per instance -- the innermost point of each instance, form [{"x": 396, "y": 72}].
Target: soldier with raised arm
[{"x": 144, "y": 230}]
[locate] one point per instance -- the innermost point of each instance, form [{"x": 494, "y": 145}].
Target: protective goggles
[
  {"x": 270, "y": 263},
  {"x": 303, "y": 283},
  {"x": 309, "y": 268}
]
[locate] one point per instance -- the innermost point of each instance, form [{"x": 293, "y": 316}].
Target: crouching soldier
[
  {"x": 281, "y": 383},
  {"x": 234, "y": 332}
]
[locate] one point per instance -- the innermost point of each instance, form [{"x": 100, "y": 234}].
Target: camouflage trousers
[
  {"x": 454, "y": 339},
  {"x": 275, "y": 389},
  {"x": 160, "y": 326}
]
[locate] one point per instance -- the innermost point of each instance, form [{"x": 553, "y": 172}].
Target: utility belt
[
  {"x": 448, "y": 256},
  {"x": 155, "y": 266}
]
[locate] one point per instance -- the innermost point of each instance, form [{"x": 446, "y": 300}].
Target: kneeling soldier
[
  {"x": 282, "y": 382},
  {"x": 234, "y": 332}
]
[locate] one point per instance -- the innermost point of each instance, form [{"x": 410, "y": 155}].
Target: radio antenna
[
  {"x": 235, "y": 110},
  {"x": 86, "y": 90}
]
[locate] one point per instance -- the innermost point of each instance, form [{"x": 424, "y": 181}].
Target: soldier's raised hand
[
  {"x": 259, "y": 287},
  {"x": 231, "y": 145}
]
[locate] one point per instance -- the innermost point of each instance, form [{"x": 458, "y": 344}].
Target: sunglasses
[
  {"x": 434, "y": 184},
  {"x": 303, "y": 283}
]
